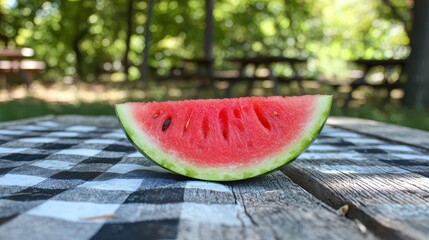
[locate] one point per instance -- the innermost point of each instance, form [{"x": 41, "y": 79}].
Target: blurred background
[{"x": 81, "y": 57}]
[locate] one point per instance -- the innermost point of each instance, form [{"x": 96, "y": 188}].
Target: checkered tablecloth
[{"x": 65, "y": 181}]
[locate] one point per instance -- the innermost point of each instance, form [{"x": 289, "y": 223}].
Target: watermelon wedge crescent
[{"x": 224, "y": 139}]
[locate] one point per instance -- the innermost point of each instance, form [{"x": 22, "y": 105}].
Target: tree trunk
[
  {"x": 3, "y": 37},
  {"x": 126, "y": 60},
  {"x": 78, "y": 53},
  {"x": 209, "y": 30},
  {"x": 144, "y": 68},
  {"x": 417, "y": 88},
  {"x": 209, "y": 35},
  {"x": 398, "y": 16}
]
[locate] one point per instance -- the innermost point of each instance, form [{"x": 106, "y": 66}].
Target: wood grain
[
  {"x": 272, "y": 207},
  {"x": 396, "y": 133},
  {"x": 390, "y": 201},
  {"x": 379, "y": 175}
]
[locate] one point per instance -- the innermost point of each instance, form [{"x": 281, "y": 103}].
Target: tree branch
[
  {"x": 397, "y": 15},
  {"x": 394, "y": 10}
]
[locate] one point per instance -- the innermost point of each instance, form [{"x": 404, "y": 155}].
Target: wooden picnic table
[
  {"x": 189, "y": 68},
  {"x": 389, "y": 67},
  {"x": 75, "y": 177},
  {"x": 15, "y": 61},
  {"x": 267, "y": 62},
  {"x": 200, "y": 69},
  {"x": 204, "y": 69}
]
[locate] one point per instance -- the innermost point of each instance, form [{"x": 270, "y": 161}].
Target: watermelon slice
[{"x": 224, "y": 139}]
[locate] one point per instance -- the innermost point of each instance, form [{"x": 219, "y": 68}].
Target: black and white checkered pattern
[
  {"x": 87, "y": 182},
  {"x": 364, "y": 154}
]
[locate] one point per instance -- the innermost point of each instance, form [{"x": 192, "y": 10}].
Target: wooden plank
[
  {"x": 396, "y": 133},
  {"x": 346, "y": 168},
  {"x": 16, "y": 53},
  {"x": 267, "y": 207},
  {"x": 394, "y": 206}
]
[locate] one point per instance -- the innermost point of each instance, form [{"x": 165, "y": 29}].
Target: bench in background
[{"x": 14, "y": 61}]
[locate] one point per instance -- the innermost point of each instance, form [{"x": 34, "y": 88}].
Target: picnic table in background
[
  {"x": 200, "y": 69},
  {"x": 388, "y": 73},
  {"x": 15, "y": 61},
  {"x": 266, "y": 62},
  {"x": 74, "y": 177}
]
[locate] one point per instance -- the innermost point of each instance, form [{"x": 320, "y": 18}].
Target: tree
[
  {"x": 80, "y": 37},
  {"x": 126, "y": 60},
  {"x": 144, "y": 68},
  {"x": 209, "y": 35},
  {"x": 417, "y": 88}
]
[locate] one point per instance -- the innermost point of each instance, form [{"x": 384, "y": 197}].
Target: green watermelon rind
[{"x": 170, "y": 161}]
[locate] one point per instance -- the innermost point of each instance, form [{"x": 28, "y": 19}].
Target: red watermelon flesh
[{"x": 224, "y": 139}]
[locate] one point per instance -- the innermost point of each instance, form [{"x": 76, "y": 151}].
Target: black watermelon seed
[{"x": 166, "y": 124}]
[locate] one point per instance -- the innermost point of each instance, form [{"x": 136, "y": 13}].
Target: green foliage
[{"x": 79, "y": 37}]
